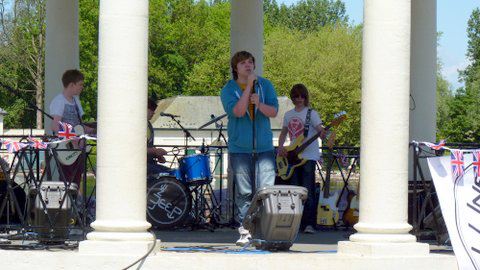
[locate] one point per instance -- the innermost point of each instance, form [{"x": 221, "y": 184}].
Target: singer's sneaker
[
  {"x": 309, "y": 229},
  {"x": 245, "y": 237}
]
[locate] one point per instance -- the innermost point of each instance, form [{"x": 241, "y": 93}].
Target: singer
[{"x": 249, "y": 101}]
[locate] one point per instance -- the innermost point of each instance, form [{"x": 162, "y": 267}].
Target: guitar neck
[{"x": 309, "y": 141}]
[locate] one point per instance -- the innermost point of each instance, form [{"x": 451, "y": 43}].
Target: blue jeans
[
  {"x": 304, "y": 176},
  {"x": 241, "y": 165}
]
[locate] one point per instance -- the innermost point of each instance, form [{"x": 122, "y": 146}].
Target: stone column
[
  {"x": 121, "y": 225},
  {"x": 246, "y": 29},
  {"x": 384, "y": 133},
  {"x": 61, "y": 47},
  {"x": 423, "y": 72}
]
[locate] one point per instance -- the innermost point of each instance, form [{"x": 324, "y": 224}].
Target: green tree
[
  {"x": 306, "y": 15},
  {"x": 88, "y": 45},
  {"x": 464, "y": 124},
  {"x": 22, "y": 57},
  {"x": 328, "y": 62}
]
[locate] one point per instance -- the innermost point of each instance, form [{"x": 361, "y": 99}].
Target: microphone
[{"x": 169, "y": 115}]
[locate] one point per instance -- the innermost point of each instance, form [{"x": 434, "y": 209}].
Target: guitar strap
[
  {"x": 307, "y": 123},
  {"x": 77, "y": 110}
]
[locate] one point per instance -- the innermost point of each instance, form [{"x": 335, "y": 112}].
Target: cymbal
[
  {"x": 216, "y": 143},
  {"x": 213, "y": 121}
]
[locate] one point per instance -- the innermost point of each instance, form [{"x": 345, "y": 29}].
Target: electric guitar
[
  {"x": 327, "y": 211},
  {"x": 287, "y": 164},
  {"x": 351, "y": 214}
]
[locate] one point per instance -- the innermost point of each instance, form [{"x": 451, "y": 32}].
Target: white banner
[{"x": 460, "y": 203}]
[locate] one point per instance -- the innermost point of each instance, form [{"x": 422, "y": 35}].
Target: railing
[{"x": 424, "y": 210}]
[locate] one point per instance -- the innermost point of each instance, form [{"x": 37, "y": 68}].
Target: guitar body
[
  {"x": 286, "y": 165},
  {"x": 69, "y": 157},
  {"x": 327, "y": 211},
  {"x": 351, "y": 214}
]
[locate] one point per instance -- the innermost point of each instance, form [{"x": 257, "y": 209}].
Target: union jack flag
[
  {"x": 457, "y": 162},
  {"x": 438, "y": 146},
  {"x": 66, "y": 131},
  {"x": 14, "y": 146},
  {"x": 476, "y": 162},
  {"x": 37, "y": 144}
]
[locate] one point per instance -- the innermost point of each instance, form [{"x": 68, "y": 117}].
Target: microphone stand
[
  {"x": 29, "y": 103},
  {"x": 185, "y": 131},
  {"x": 254, "y": 148}
]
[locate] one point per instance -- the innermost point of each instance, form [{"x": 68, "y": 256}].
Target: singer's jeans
[{"x": 241, "y": 165}]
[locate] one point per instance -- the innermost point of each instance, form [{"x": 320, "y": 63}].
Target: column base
[
  {"x": 371, "y": 249},
  {"x": 383, "y": 238},
  {"x": 118, "y": 248}
]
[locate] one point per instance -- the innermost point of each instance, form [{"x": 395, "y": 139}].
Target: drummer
[{"x": 155, "y": 155}]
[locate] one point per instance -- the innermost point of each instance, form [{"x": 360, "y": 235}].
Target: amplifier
[
  {"x": 274, "y": 216},
  {"x": 51, "y": 209}
]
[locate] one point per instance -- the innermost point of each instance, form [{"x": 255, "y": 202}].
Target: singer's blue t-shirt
[{"x": 240, "y": 139}]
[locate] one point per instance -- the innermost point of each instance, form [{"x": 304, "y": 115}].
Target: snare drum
[
  {"x": 195, "y": 169},
  {"x": 168, "y": 202}
]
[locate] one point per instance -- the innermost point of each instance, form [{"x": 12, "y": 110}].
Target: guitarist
[
  {"x": 66, "y": 107},
  {"x": 303, "y": 120}
]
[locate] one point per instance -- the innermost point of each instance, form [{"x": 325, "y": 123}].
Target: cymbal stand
[{"x": 219, "y": 153}]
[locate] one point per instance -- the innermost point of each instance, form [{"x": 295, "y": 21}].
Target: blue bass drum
[{"x": 195, "y": 169}]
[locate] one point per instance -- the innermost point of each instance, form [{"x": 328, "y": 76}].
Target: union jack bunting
[
  {"x": 438, "y": 146},
  {"x": 14, "y": 146},
  {"x": 37, "y": 144},
  {"x": 66, "y": 131},
  {"x": 457, "y": 162},
  {"x": 476, "y": 162}
]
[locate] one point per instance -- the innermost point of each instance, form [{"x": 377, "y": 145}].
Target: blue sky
[{"x": 452, "y": 17}]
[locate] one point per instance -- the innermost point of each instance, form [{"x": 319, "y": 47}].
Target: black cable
[
  {"x": 146, "y": 255},
  {"x": 413, "y": 101}
]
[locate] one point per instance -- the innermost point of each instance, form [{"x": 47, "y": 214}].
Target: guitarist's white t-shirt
[
  {"x": 67, "y": 110},
  {"x": 295, "y": 123}
]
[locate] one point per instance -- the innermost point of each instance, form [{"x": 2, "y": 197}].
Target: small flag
[
  {"x": 12, "y": 146},
  {"x": 476, "y": 163},
  {"x": 457, "y": 162},
  {"x": 37, "y": 144},
  {"x": 437, "y": 146},
  {"x": 66, "y": 131}
]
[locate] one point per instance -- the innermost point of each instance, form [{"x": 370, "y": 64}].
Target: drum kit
[{"x": 184, "y": 194}]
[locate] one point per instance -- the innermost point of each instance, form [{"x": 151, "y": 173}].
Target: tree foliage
[
  {"x": 306, "y": 15},
  {"x": 328, "y": 62},
  {"x": 189, "y": 49},
  {"x": 22, "y": 55},
  {"x": 461, "y": 122}
]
